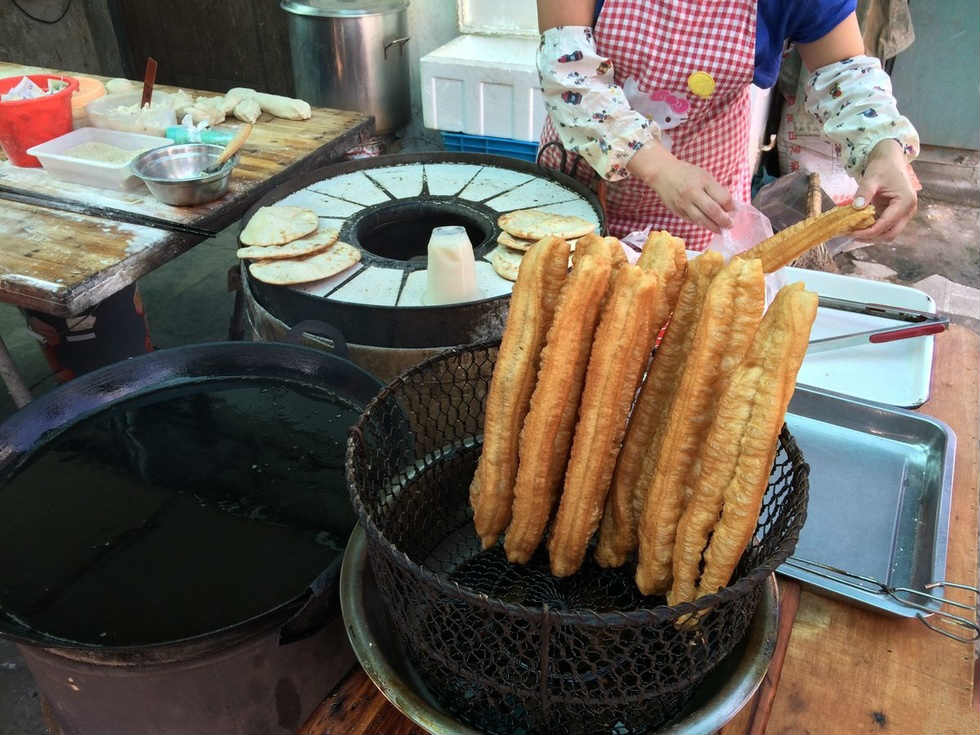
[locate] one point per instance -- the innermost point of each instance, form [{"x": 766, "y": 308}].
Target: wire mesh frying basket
[{"x": 510, "y": 649}]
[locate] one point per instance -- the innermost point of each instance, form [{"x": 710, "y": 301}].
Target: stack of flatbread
[
  {"x": 523, "y": 228},
  {"x": 287, "y": 246}
]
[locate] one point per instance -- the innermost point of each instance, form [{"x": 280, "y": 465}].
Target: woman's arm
[
  {"x": 843, "y": 42},
  {"x": 554, "y": 13},
  {"x": 850, "y": 95}
]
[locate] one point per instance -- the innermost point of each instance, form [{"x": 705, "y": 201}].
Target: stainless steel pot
[{"x": 351, "y": 55}]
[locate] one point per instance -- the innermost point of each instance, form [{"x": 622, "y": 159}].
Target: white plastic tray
[
  {"x": 93, "y": 173},
  {"x": 897, "y": 373}
]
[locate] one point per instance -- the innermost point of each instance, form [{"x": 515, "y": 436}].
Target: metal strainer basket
[{"x": 510, "y": 649}]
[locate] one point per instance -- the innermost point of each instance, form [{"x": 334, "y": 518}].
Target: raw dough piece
[
  {"x": 210, "y": 109},
  {"x": 248, "y": 110},
  {"x": 181, "y": 101},
  {"x": 284, "y": 107}
]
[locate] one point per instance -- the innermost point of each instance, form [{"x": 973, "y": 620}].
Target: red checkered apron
[{"x": 660, "y": 44}]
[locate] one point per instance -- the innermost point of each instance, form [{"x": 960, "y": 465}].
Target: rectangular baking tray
[
  {"x": 94, "y": 173},
  {"x": 880, "y": 486}
]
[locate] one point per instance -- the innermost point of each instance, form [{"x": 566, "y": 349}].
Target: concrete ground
[{"x": 187, "y": 302}]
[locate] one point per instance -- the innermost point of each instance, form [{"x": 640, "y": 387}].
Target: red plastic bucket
[{"x": 27, "y": 123}]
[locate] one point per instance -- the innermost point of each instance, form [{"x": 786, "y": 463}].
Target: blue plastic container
[{"x": 526, "y": 150}]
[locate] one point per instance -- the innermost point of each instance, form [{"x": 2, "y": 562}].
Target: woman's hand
[
  {"x": 887, "y": 185},
  {"x": 688, "y": 191}
]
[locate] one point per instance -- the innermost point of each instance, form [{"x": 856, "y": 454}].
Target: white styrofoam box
[
  {"x": 53, "y": 157},
  {"x": 512, "y": 17},
  {"x": 483, "y": 85}
]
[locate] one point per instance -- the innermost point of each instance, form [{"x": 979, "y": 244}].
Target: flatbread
[
  {"x": 278, "y": 225},
  {"x": 505, "y": 238},
  {"x": 315, "y": 243},
  {"x": 331, "y": 261},
  {"x": 505, "y": 262},
  {"x": 514, "y": 243},
  {"x": 533, "y": 224}
]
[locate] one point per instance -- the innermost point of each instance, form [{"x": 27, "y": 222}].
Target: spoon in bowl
[{"x": 230, "y": 150}]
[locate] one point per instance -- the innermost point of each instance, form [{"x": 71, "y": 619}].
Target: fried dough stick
[
  {"x": 729, "y": 319},
  {"x": 741, "y": 446},
  {"x": 593, "y": 243},
  {"x": 787, "y": 245},
  {"x": 550, "y": 423},
  {"x": 620, "y": 351},
  {"x": 663, "y": 255},
  {"x": 532, "y": 306},
  {"x": 660, "y": 250}
]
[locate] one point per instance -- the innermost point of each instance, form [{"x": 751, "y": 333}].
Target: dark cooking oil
[{"x": 176, "y": 514}]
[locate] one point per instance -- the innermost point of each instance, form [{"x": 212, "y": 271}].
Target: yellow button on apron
[{"x": 701, "y": 84}]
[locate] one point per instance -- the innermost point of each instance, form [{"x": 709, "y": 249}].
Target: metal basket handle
[
  {"x": 878, "y": 587},
  {"x": 956, "y": 620},
  {"x": 601, "y": 188},
  {"x": 324, "y": 334}
]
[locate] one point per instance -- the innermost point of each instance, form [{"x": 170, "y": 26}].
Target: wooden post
[{"x": 816, "y": 258}]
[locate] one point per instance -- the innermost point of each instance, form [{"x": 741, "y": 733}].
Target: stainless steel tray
[
  {"x": 721, "y": 696},
  {"x": 880, "y": 486}
]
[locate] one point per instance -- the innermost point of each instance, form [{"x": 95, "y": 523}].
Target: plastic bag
[
  {"x": 749, "y": 228},
  {"x": 25, "y": 89},
  {"x": 633, "y": 244}
]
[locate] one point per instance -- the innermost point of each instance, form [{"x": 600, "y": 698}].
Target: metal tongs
[
  {"x": 869, "y": 584},
  {"x": 917, "y": 324}
]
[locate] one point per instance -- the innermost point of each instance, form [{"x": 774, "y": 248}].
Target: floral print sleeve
[
  {"x": 588, "y": 109},
  {"x": 853, "y": 101}
]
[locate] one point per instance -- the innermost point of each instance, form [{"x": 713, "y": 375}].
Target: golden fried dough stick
[
  {"x": 787, "y": 245},
  {"x": 620, "y": 352},
  {"x": 592, "y": 243},
  {"x": 729, "y": 319},
  {"x": 742, "y": 445},
  {"x": 550, "y": 423},
  {"x": 638, "y": 458},
  {"x": 659, "y": 245},
  {"x": 665, "y": 256},
  {"x": 532, "y": 306}
]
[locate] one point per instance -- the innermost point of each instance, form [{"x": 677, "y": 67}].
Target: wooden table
[
  {"x": 837, "y": 669},
  {"x": 62, "y": 263}
]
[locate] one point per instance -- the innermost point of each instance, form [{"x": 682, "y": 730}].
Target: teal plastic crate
[{"x": 526, "y": 150}]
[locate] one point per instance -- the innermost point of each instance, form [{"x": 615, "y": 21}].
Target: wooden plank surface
[
  {"x": 357, "y": 707},
  {"x": 852, "y": 671},
  {"x": 61, "y": 263},
  {"x": 842, "y": 669},
  {"x": 33, "y": 255},
  {"x": 755, "y": 715}
]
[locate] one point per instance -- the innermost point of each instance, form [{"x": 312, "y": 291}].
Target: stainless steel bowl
[
  {"x": 173, "y": 173},
  {"x": 721, "y": 696}
]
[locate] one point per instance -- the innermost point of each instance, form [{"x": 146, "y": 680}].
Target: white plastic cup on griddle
[{"x": 451, "y": 269}]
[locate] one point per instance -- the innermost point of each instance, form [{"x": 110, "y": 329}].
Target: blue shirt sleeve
[{"x": 798, "y": 21}]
